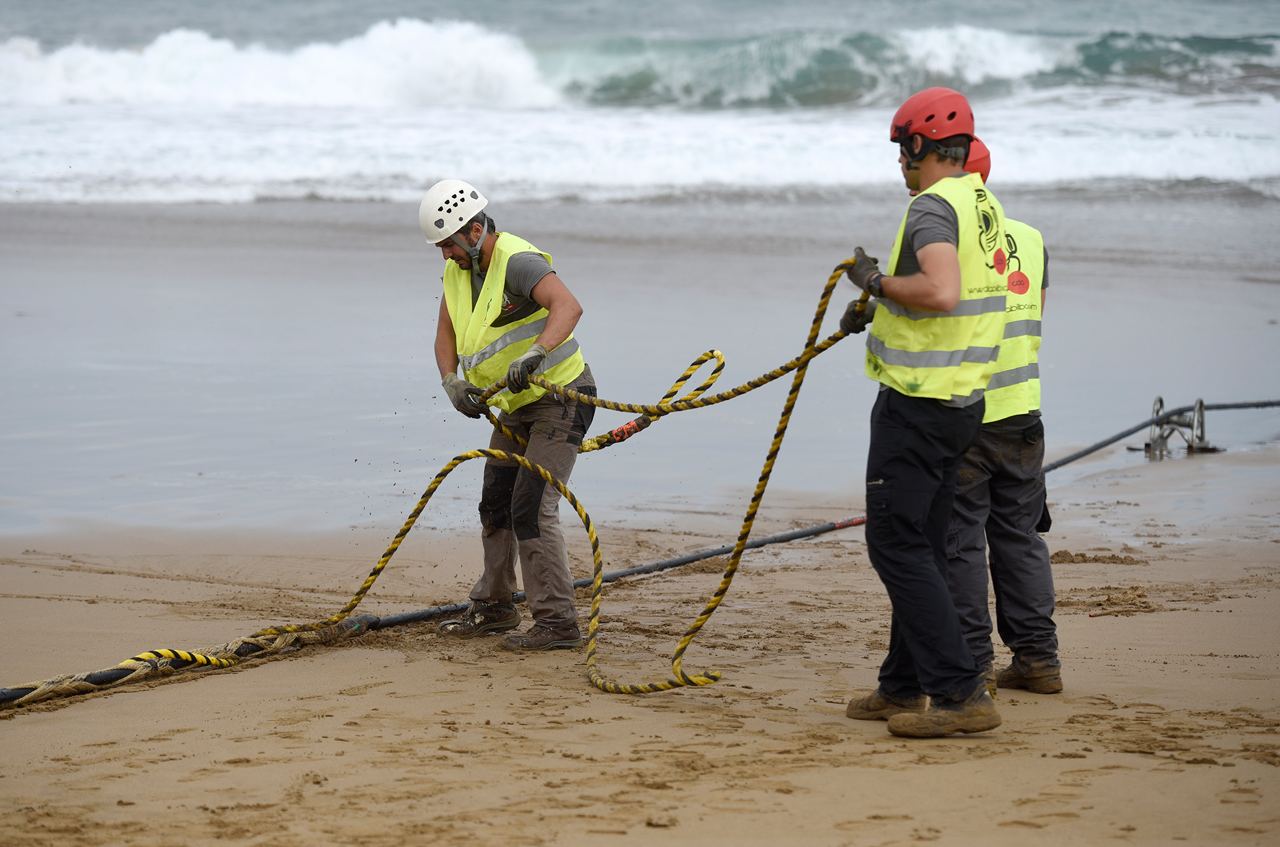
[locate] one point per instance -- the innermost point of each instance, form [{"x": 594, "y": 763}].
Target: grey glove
[
  {"x": 865, "y": 273},
  {"x": 853, "y": 323},
  {"x": 464, "y": 396},
  {"x": 518, "y": 373}
]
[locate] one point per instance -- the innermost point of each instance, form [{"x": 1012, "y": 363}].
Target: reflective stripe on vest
[
  {"x": 1015, "y": 386},
  {"x": 486, "y": 351},
  {"x": 948, "y": 355},
  {"x": 981, "y": 306}
]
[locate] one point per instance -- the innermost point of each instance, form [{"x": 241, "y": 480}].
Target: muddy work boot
[
  {"x": 1038, "y": 679},
  {"x": 976, "y": 713},
  {"x": 482, "y": 619},
  {"x": 543, "y": 637},
  {"x": 878, "y": 706}
]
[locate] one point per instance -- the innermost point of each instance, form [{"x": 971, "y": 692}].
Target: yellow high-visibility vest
[
  {"x": 486, "y": 351},
  {"x": 948, "y": 355},
  {"x": 1015, "y": 386}
]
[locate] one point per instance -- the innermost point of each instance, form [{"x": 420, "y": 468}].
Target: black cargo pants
[
  {"x": 916, "y": 446},
  {"x": 999, "y": 506}
]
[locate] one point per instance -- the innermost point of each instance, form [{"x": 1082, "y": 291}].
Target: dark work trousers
[
  {"x": 916, "y": 445},
  {"x": 1000, "y": 499},
  {"x": 520, "y": 511}
]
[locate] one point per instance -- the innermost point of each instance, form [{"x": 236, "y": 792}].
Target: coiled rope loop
[{"x": 649, "y": 413}]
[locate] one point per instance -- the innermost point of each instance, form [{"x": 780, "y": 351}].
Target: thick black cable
[
  {"x": 817, "y": 529},
  {"x": 613, "y": 576}
]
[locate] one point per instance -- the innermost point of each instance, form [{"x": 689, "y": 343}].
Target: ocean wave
[
  {"x": 817, "y": 69},
  {"x": 191, "y": 117},
  {"x": 402, "y": 63},
  {"x": 409, "y": 63}
]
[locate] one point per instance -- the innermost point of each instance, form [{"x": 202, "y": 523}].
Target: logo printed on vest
[
  {"x": 989, "y": 228},
  {"x": 1019, "y": 282}
]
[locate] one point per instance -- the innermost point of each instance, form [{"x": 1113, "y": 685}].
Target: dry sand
[{"x": 1168, "y": 731}]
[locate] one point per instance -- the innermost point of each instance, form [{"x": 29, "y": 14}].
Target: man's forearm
[
  {"x": 446, "y": 357},
  {"x": 560, "y": 323},
  {"x": 919, "y": 291}
]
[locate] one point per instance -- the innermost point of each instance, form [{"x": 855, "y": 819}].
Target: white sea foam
[
  {"x": 402, "y": 63},
  {"x": 949, "y": 52}
]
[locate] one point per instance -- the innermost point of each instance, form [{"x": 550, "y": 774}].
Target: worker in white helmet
[{"x": 506, "y": 315}]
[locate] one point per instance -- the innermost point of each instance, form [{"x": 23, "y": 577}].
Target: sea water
[{"x": 608, "y": 100}]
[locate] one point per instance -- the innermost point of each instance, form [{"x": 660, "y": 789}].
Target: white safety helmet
[{"x": 446, "y": 208}]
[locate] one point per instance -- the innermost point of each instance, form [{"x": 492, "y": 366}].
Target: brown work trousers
[{"x": 520, "y": 511}]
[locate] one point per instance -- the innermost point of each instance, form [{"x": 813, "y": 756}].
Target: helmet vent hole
[
  {"x": 930, "y": 119},
  {"x": 951, "y": 117}
]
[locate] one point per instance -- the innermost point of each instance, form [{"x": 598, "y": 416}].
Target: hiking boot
[
  {"x": 482, "y": 619},
  {"x": 543, "y": 637},
  {"x": 976, "y": 713},
  {"x": 1038, "y": 679},
  {"x": 878, "y": 706}
]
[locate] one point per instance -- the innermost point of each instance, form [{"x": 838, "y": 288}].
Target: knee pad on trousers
[
  {"x": 495, "y": 496},
  {"x": 526, "y": 504}
]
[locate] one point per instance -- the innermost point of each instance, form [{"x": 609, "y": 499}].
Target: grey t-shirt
[
  {"x": 929, "y": 221},
  {"x": 524, "y": 271}
]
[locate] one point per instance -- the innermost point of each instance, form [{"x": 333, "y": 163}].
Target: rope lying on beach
[
  {"x": 167, "y": 661},
  {"x": 273, "y": 639}
]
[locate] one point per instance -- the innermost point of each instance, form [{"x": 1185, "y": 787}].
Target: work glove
[
  {"x": 464, "y": 396},
  {"x": 518, "y": 373},
  {"x": 865, "y": 273},
  {"x": 853, "y": 323}
]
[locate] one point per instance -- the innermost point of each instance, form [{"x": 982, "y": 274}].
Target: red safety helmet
[
  {"x": 934, "y": 113},
  {"x": 979, "y": 161}
]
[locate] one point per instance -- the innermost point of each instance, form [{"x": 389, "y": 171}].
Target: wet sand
[
  {"x": 270, "y": 366},
  {"x": 1169, "y": 730}
]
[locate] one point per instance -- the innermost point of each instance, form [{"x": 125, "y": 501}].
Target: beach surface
[
  {"x": 218, "y": 417},
  {"x": 1168, "y": 730}
]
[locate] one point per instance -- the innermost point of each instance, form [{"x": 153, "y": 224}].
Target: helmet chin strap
[{"x": 473, "y": 250}]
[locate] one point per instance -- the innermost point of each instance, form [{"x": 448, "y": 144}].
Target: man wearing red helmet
[
  {"x": 933, "y": 344},
  {"x": 1000, "y": 493}
]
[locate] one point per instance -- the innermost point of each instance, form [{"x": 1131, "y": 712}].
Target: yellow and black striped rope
[
  {"x": 621, "y": 433},
  {"x": 649, "y": 412},
  {"x": 195, "y": 659},
  {"x": 167, "y": 661},
  {"x": 800, "y": 365}
]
